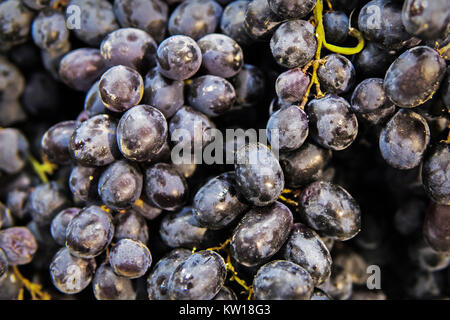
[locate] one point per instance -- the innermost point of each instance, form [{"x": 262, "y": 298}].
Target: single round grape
[
  {"x": 294, "y": 44},
  {"x": 93, "y": 104},
  {"x": 320, "y": 295},
  {"x": 332, "y": 124},
  {"x": 130, "y": 258},
  {"x": 305, "y": 248},
  {"x": 414, "y": 77},
  {"x": 212, "y": 95},
  {"x": 330, "y": 210},
  {"x": 120, "y": 185},
  {"x": 165, "y": 187},
  {"x": 217, "y": 204},
  {"x": 436, "y": 173},
  {"x": 121, "y": 88},
  {"x": 15, "y": 22},
  {"x": 60, "y": 222},
  {"x": 141, "y": 133},
  {"x": 221, "y": 55},
  {"x": 188, "y": 120},
  {"x": 373, "y": 61},
  {"x": 339, "y": 286},
  {"x": 10, "y": 286},
  {"x": 17, "y": 202},
  {"x": 13, "y": 150},
  {"x": 147, "y": 15},
  {"x": 3, "y": 264},
  {"x": 225, "y": 294},
  {"x": 129, "y": 47},
  {"x": 380, "y": 21},
  {"x": 109, "y": 286},
  {"x": 42, "y": 95},
  {"x": 287, "y": 128},
  {"x": 12, "y": 82},
  {"x": 426, "y": 19},
  {"x": 178, "y": 57},
  {"x": 49, "y": 30},
  {"x": 164, "y": 94},
  {"x": 304, "y": 165},
  {"x": 181, "y": 229},
  {"x": 130, "y": 225},
  {"x": 83, "y": 182},
  {"x": 249, "y": 85},
  {"x": 55, "y": 142},
  {"x": 291, "y": 85},
  {"x": 18, "y": 244},
  {"x": 97, "y": 19},
  {"x": 195, "y": 18},
  {"x": 337, "y": 74},
  {"x": 232, "y": 21},
  {"x": 89, "y": 232},
  {"x": 71, "y": 274},
  {"x": 282, "y": 280},
  {"x": 436, "y": 227},
  {"x": 46, "y": 201},
  {"x": 404, "y": 139},
  {"x": 80, "y": 68},
  {"x": 51, "y": 60},
  {"x": 289, "y": 9},
  {"x": 260, "y": 234},
  {"x": 94, "y": 143},
  {"x": 199, "y": 277},
  {"x": 260, "y": 20},
  {"x": 336, "y": 25}
]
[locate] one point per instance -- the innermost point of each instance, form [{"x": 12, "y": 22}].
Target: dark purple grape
[
  {"x": 11, "y": 113},
  {"x": 141, "y": 133},
  {"x": 130, "y": 258},
  {"x": 89, "y": 232},
  {"x": 94, "y": 143},
  {"x": 93, "y": 104},
  {"x": 260, "y": 20},
  {"x": 232, "y": 21},
  {"x": 80, "y": 68},
  {"x": 294, "y": 43},
  {"x": 337, "y": 74},
  {"x": 10, "y": 286},
  {"x": 287, "y": 128},
  {"x": 291, "y": 85},
  {"x": 42, "y": 95},
  {"x": 436, "y": 228},
  {"x": 3, "y": 264},
  {"x": 408, "y": 218},
  {"x": 336, "y": 25},
  {"x": 13, "y": 150},
  {"x": 216, "y": 204},
  {"x": 121, "y": 88},
  {"x": 221, "y": 55},
  {"x": 6, "y": 219},
  {"x": 178, "y": 57},
  {"x": 12, "y": 82},
  {"x": 130, "y": 225},
  {"x": 339, "y": 286},
  {"x": 130, "y": 47},
  {"x": 212, "y": 95},
  {"x": 249, "y": 85},
  {"x": 414, "y": 77},
  {"x": 225, "y": 294},
  {"x": 195, "y": 18},
  {"x": 404, "y": 139},
  {"x": 330, "y": 210},
  {"x": 55, "y": 142},
  {"x": 290, "y": 9},
  {"x": 60, "y": 222},
  {"x": 109, "y": 286},
  {"x": 147, "y": 15},
  {"x": 18, "y": 244},
  {"x": 96, "y": 20},
  {"x": 46, "y": 201},
  {"x": 51, "y": 60},
  {"x": 426, "y": 19},
  {"x": 162, "y": 93},
  {"x": 260, "y": 234},
  {"x": 49, "y": 30},
  {"x": 282, "y": 280},
  {"x": 17, "y": 202},
  {"x": 305, "y": 248},
  {"x": 435, "y": 173},
  {"x": 373, "y": 61},
  {"x": 147, "y": 211},
  {"x": 71, "y": 274},
  {"x": 332, "y": 124},
  {"x": 120, "y": 185},
  {"x": 15, "y": 22},
  {"x": 83, "y": 182},
  {"x": 304, "y": 165},
  {"x": 206, "y": 272},
  {"x": 157, "y": 283}
]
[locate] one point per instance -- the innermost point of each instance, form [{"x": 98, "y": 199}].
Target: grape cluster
[{"x": 100, "y": 99}]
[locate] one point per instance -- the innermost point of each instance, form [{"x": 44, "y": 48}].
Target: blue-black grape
[
  {"x": 232, "y": 21},
  {"x": 109, "y": 286},
  {"x": 130, "y": 225},
  {"x": 46, "y": 201},
  {"x": 93, "y": 104},
  {"x": 83, "y": 182},
  {"x": 436, "y": 227},
  {"x": 373, "y": 61},
  {"x": 13, "y": 150},
  {"x": 12, "y": 82},
  {"x": 339, "y": 286},
  {"x": 249, "y": 85},
  {"x": 337, "y": 74},
  {"x": 260, "y": 20},
  {"x": 18, "y": 244},
  {"x": 435, "y": 173},
  {"x": 17, "y": 202},
  {"x": 336, "y": 25},
  {"x": 130, "y": 258},
  {"x": 260, "y": 234},
  {"x": 42, "y": 95},
  {"x": 289, "y": 9},
  {"x": 330, "y": 210},
  {"x": 15, "y": 22},
  {"x": 49, "y": 30},
  {"x": 59, "y": 224},
  {"x": 55, "y": 142},
  {"x": 404, "y": 139},
  {"x": 89, "y": 232},
  {"x": 291, "y": 85},
  {"x": 282, "y": 280}
]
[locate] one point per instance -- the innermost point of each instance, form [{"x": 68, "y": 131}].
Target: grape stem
[
  {"x": 34, "y": 288},
  {"x": 42, "y": 169}
]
